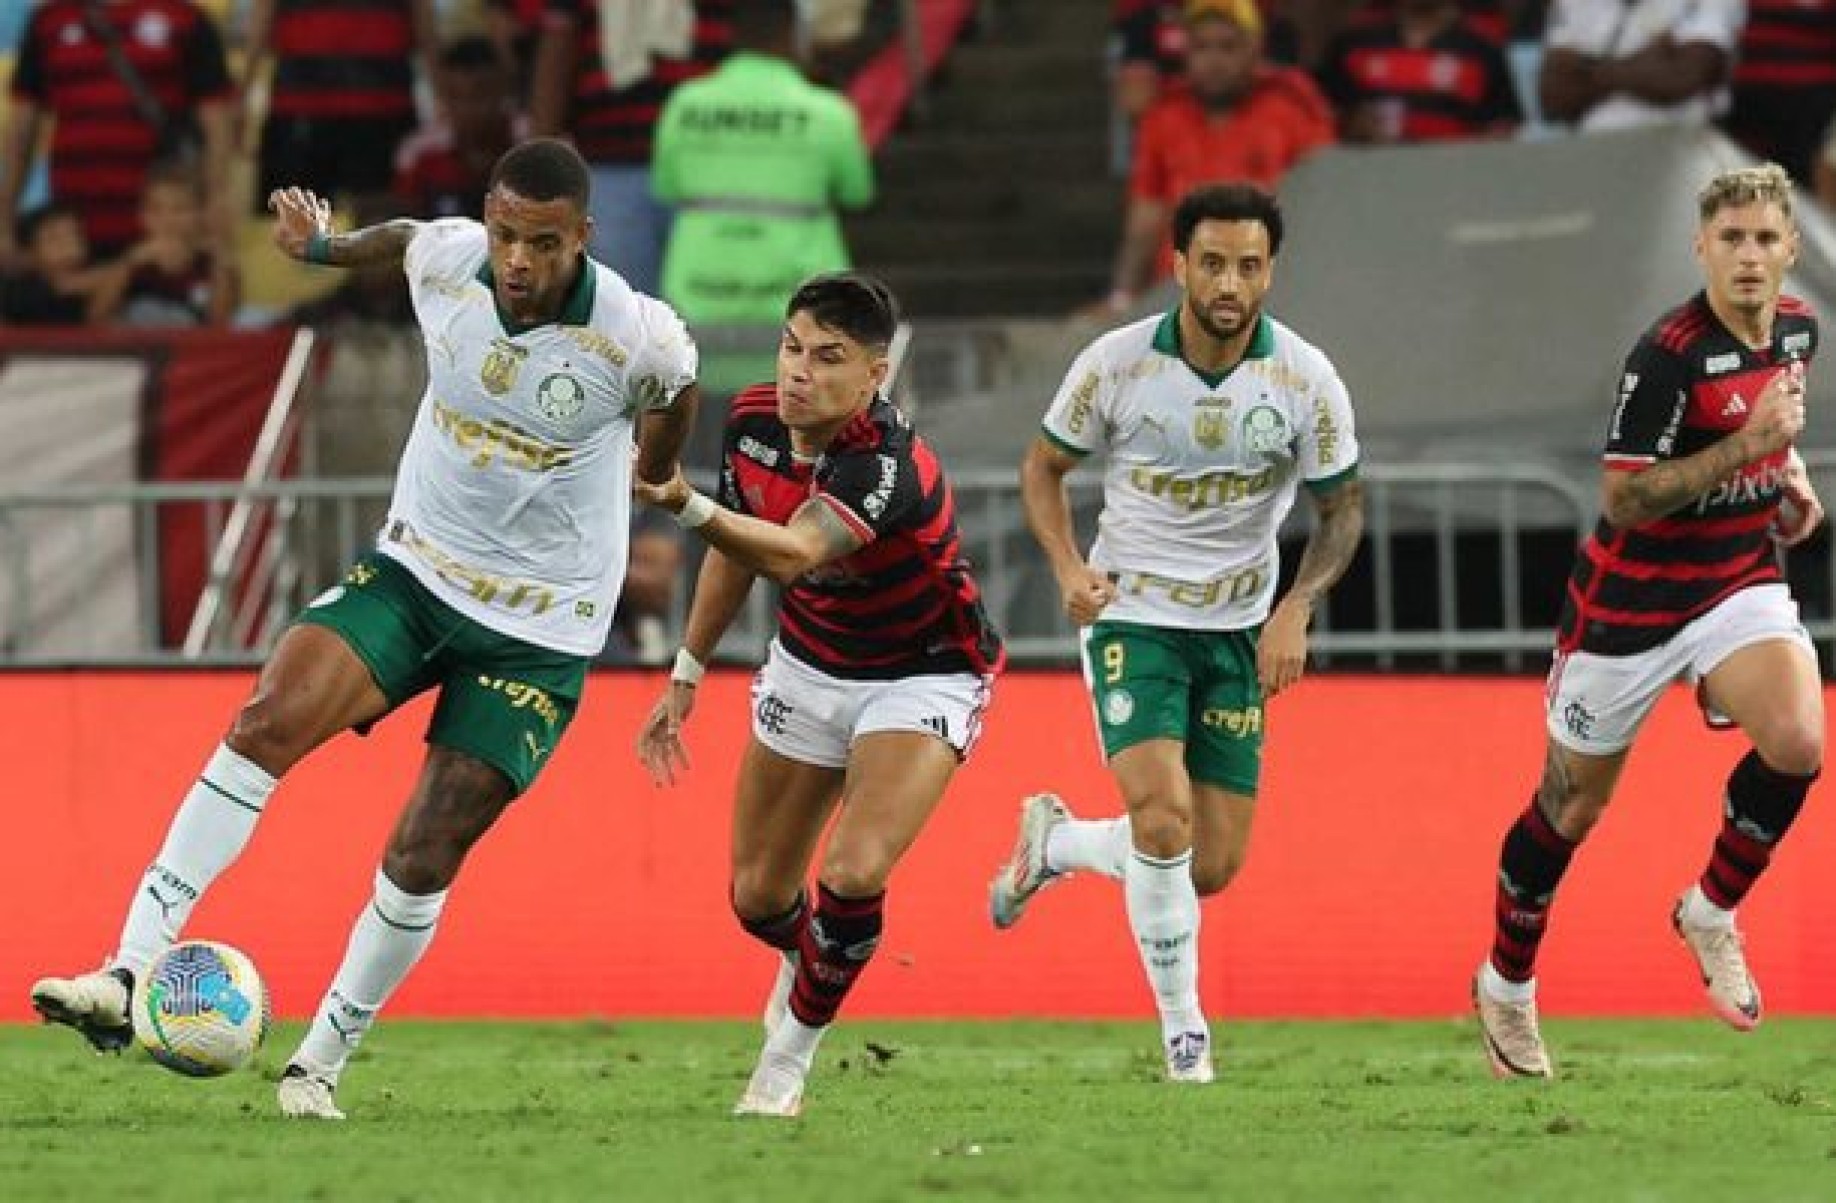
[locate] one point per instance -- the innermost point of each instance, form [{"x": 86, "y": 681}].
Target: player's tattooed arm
[
  {"x": 1333, "y": 543},
  {"x": 814, "y": 536},
  {"x": 302, "y": 229},
  {"x": 1634, "y": 498},
  {"x": 373, "y": 246}
]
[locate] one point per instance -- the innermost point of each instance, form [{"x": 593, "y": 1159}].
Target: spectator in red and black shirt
[
  {"x": 444, "y": 169},
  {"x": 874, "y": 689},
  {"x": 1681, "y": 580},
  {"x": 342, "y": 97},
  {"x": 609, "y": 110},
  {"x": 1785, "y": 82},
  {"x": 1422, "y": 75},
  {"x": 1490, "y": 19},
  {"x": 103, "y": 143}
]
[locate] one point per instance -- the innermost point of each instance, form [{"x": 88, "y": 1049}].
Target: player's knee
[
  {"x": 422, "y": 867},
  {"x": 1160, "y": 828},
  {"x": 1572, "y": 812},
  {"x": 1794, "y": 747},
  {"x": 1575, "y": 816},
  {"x": 1211, "y": 874},
  {"x": 269, "y": 733},
  {"x": 758, "y": 895},
  {"x": 856, "y": 872}
]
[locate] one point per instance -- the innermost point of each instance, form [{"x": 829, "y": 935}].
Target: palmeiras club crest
[{"x": 560, "y": 397}]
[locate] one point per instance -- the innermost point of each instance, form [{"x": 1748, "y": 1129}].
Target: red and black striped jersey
[
  {"x": 1688, "y": 384},
  {"x": 613, "y": 123},
  {"x": 1458, "y": 85},
  {"x": 343, "y": 59},
  {"x": 903, "y": 604},
  {"x": 1787, "y": 44},
  {"x": 101, "y": 146},
  {"x": 1487, "y": 18},
  {"x": 434, "y": 177}
]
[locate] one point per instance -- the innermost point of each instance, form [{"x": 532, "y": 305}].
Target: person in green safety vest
[{"x": 756, "y": 159}]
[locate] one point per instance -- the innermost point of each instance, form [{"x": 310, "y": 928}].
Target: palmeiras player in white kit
[
  {"x": 494, "y": 579},
  {"x": 1212, "y": 416}
]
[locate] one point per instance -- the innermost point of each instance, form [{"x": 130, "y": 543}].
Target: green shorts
[
  {"x": 1199, "y": 687},
  {"x": 502, "y": 700}
]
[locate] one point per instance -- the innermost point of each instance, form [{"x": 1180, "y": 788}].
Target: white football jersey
[
  {"x": 1200, "y": 471},
  {"x": 513, "y": 499}
]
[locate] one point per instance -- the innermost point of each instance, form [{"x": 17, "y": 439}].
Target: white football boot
[
  {"x": 306, "y": 1095},
  {"x": 95, "y": 1004},
  {"x": 1026, "y": 873}
]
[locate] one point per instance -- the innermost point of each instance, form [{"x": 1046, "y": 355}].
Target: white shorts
[
  {"x": 1595, "y": 704},
  {"x": 806, "y": 715}
]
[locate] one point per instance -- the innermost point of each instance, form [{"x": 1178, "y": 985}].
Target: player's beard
[{"x": 1219, "y": 330}]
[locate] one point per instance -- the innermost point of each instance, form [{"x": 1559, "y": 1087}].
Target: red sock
[{"x": 835, "y": 945}]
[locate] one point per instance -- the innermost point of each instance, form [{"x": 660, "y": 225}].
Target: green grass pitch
[{"x": 1645, "y": 1110}]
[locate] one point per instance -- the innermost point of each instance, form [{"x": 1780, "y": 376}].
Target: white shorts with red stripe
[
  {"x": 1595, "y": 704},
  {"x": 806, "y": 715}
]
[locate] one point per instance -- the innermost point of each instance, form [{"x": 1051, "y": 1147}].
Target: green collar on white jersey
[
  {"x": 1166, "y": 341},
  {"x": 577, "y": 310}
]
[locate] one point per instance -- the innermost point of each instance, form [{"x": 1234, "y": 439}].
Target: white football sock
[
  {"x": 1163, "y": 911},
  {"x": 1098, "y": 845},
  {"x": 795, "y": 1041},
  {"x": 1698, "y": 911},
  {"x": 1499, "y": 988},
  {"x": 209, "y": 831},
  {"x": 387, "y": 939}
]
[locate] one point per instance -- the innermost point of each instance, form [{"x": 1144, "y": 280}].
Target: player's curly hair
[
  {"x": 544, "y": 169},
  {"x": 1226, "y": 202},
  {"x": 854, "y": 303},
  {"x": 1745, "y": 186}
]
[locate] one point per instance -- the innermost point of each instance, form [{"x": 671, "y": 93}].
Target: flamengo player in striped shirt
[
  {"x": 874, "y": 688},
  {"x": 1682, "y": 580}
]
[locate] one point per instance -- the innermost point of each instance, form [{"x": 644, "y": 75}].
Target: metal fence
[{"x": 1462, "y": 566}]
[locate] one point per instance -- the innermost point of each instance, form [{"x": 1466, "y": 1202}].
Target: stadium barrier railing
[{"x": 1461, "y": 568}]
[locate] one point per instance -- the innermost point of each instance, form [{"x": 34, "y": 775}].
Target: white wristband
[
  {"x": 688, "y": 670},
  {"x": 696, "y": 512}
]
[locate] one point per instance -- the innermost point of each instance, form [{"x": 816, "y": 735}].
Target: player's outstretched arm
[
  {"x": 302, "y": 230},
  {"x": 814, "y": 536}
]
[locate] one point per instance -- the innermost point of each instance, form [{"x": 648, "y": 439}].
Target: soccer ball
[{"x": 201, "y": 1009}]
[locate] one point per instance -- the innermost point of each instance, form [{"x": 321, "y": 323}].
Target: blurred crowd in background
[{"x": 143, "y": 136}]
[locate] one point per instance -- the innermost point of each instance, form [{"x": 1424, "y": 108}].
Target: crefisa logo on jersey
[{"x": 560, "y": 397}]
